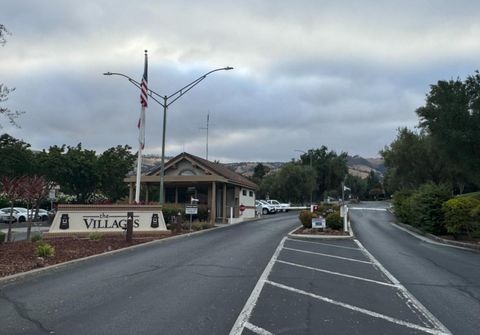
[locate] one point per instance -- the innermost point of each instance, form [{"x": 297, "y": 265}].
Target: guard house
[{"x": 215, "y": 186}]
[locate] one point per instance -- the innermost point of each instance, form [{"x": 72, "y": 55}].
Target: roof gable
[{"x": 199, "y": 166}]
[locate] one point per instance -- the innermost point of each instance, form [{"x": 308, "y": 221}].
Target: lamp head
[
  {"x": 107, "y": 74},
  {"x": 228, "y": 68}
]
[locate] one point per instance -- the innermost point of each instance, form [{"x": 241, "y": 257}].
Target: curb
[
  {"x": 426, "y": 237},
  {"x": 323, "y": 237},
  {"x": 34, "y": 272},
  {"x": 430, "y": 238}
]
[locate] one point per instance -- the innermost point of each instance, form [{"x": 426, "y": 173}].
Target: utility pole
[{"x": 206, "y": 128}]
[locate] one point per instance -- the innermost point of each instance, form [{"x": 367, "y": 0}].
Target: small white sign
[
  {"x": 319, "y": 222},
  {"x": 51, "y": 194},
  {"x": 191, "y": 209}
]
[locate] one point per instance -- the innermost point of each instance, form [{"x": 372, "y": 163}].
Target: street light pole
[{"x": 165, "y": 104}]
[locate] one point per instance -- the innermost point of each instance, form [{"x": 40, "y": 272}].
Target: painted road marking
[
  {"x": 327, "y": 255},
  {"x": 321, "y": 243},
  {"x": 408, "y": 296},
  {"x": 337, "y": 273},
  {"x": 246, "y": 312},
  {"x": 360, "y": 310},
  {"x": 256, "y": 329},
  {"x": 242, "y": 321}
]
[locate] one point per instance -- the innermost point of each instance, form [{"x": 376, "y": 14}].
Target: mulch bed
[
  {"x": 20, "y": 256},
  {"x": 317, "y": 231}
]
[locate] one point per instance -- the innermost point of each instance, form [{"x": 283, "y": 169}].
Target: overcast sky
[{"x": 344, "y": 74}]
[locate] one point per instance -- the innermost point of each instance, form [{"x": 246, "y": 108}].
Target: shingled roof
[{"x": 216, "y": 168}]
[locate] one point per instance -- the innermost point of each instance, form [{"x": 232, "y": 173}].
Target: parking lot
[{"x": 331, "y": 287}]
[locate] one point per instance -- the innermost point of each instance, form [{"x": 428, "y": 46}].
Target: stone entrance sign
[{"x": 106, "y": 218}]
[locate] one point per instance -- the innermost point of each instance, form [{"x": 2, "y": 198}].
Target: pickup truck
[{"x": 279, "y": 207}]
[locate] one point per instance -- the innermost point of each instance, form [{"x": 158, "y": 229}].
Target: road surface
[
  {"x": 193, "y": 285},
  {"x": 445, "y": 280}
]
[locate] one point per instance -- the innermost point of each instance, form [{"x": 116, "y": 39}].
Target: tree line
[
  {"x": 82, "y": 174},
  {"x": 445, "y": 147},
  {"x": 434, "y": 171},
  {"x": 316, "y": 175}
]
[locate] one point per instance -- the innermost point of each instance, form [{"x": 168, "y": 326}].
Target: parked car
[
  {"x": 280, "y": 207},
  {"x": 43, "y": 214},
  {"x": 263, "y": 207},
  {"x": 19, "y": 214}
]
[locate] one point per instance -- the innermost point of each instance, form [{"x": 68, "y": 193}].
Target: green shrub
[
  {"x": 206, "y": 225},
  {"x": 45, "y": 250},
  {"x": 402, "y": 205},
  {"x": 202, "y": 213},
  {"x": 334, "y": 221},
  {"x": 475, "y": 213},
  {"x": 36, "y": 238},
  {"x": 170, "y": 210},
  {"x": 2, "y": 237},
  {"x": 196, "y": 225},
  {"x": 306, "y": 218},
  {"x": 426, "y": 208},
  {"x": 324, "y": 209},
  {"x": 95, "y": 236},
  {"x": 460, "y": 215}
]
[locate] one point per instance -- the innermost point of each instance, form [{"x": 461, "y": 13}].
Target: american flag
[{"x": 144, "y": 103}]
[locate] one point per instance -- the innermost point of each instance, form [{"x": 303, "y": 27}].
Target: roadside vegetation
[
  {"x": 429, "y": 170},
  {"x": 317, "y": 175}
]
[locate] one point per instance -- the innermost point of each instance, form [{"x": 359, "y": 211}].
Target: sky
[{"x": 344, "y": 74}]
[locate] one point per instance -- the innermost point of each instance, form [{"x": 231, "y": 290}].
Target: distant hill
[
  {"x": 361, "y": 167},
  {"x": 357, "y": 166}
]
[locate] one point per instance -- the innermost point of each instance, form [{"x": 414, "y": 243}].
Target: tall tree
[
  {"x": 451, "y": 116},
  {"x": 330, "y": 169},
  {"x": 259, "y": 172},
  {"x": 113, "y": 166},
  {"x": 16, "y": 158}
]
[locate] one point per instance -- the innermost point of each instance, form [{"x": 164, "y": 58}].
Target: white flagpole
[
  {"x": 139, "y": 173},
  {"x": 139, "y": 166},
  {"x": 141, "y": 128}
]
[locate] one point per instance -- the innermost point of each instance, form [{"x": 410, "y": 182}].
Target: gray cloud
[{"x": 307, "y": 73}]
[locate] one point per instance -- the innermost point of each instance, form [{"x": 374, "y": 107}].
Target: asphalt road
[
  {"x": 445, "y": 280},
  {"x": 193, "y": 285}
]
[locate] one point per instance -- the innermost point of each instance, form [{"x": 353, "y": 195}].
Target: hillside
[{"x": 357, "y": 166}]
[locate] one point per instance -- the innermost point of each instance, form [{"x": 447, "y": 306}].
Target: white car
[
  {"x": 280, "y": 207},
  {"x": 263, "y": 207},
  {"x": 43, "y": 214},
  {"x": 19, "y": 214}
]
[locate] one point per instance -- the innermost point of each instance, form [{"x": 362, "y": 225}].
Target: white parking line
[
  {"x": 337, "y": 273},
  {"x": 327, "y": 255},
  {"x": 327, "y": 244},
  {"x": 252, "y": 300},
  {"x": 360, "y": 310},
  {"x": 407, "y": 295},
  {"x": 256, "y": 329}
]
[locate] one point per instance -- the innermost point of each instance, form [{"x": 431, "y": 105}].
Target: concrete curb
[
  {"x": 427, "y": 237},
  {"x": 435, "y": 239},
  {"x": 323, "y": 237},
  {"x": 33, "y": 272}
]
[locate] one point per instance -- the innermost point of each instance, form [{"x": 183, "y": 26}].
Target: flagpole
[
  {"x": 139, "y": 171},
  {"x": 141, "y": 127}
]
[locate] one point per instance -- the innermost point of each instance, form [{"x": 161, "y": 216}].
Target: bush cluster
[
  {"x": 431, "y": 209},
  {"x": 45, "y": 250},
  {"x": 462, "y": 216},
  {"x": 334, "y": 221},
  {"x": 95, "y": 236},
  {"x": 306, "y": 218}
]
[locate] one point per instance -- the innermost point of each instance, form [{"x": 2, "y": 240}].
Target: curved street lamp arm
[
  {"x": 176, "y": 95},
  {"x": 136, "y": 83}
]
